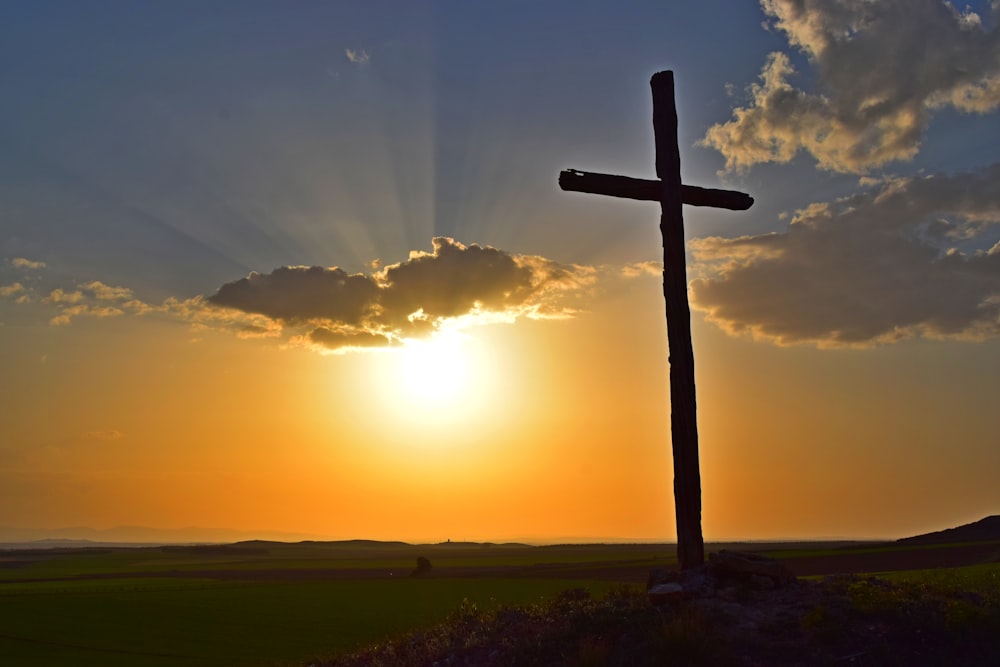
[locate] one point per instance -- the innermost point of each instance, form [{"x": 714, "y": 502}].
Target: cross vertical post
[
  {"x": 672, "y": 194},
  {"x": 683, "y": 412}
]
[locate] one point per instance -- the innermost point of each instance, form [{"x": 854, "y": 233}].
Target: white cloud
[
  {"x": 358, "y": 57},
  {"x": 883, "y": 67}
]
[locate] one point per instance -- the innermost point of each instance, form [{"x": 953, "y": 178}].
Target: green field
[
  {"x": 202, "y": 623},
  {"x": 264, "y": 603},
  {"x": 177, "y": 606}
]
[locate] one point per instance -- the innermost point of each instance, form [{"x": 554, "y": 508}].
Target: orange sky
[{"x": 562, "y": 433}]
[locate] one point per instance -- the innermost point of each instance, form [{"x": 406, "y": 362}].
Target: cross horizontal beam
[{"x": 643, "y": 189}]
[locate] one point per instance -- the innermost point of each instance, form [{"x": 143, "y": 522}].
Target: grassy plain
[
  {"x": 261, "y": 603},
  {"x": 265, "y": 603}
]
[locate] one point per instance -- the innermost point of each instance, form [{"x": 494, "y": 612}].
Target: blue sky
[
  {"x": 240, "y": 136},
  {"x": 456, "y": 111}
]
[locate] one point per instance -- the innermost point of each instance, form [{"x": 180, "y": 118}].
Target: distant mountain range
[
  {"x": 122, "y": 535},
  {"x": 984, "y": 530}
]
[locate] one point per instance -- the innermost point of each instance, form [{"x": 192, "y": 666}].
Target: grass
[
  {"x": 984, "y": 579},
  {"x": 237, "y": 623},
  {"x": 220, "y": 606},
  {"x": 572, "y": 626},
  {"x": 920, "y": 618},
  {"x": 859, "y": 548},
  {"x": 308, "y": 556},
  {"x": 160, "y": 609}
]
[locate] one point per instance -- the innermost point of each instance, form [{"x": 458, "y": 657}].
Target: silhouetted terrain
[{"x": 980, "y": 531}]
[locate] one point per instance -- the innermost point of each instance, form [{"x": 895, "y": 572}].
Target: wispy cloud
[
  {"x": 22, "y": 263},
  {"x": 882, "y": 69},
  {"x": 638, "y": 269},
  {"x": 109, "y": 434},
  {"x": 67, "y": 314},
  {"x": 358, "y": 56},
  {"x": 909, "y": 257},
  {"x": 92, "y": 299}
]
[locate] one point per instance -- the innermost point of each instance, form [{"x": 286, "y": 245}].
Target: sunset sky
[{"x": 303, "y": 269}]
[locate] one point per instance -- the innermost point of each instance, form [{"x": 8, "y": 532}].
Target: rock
[
  {"x": 696, "y": 581},
  {"x": 757, "y": 570},
  {"x": 661, "y": 576},
  {"x": 664, "y": 593}
]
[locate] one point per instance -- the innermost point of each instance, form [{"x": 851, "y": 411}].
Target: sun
[
  {"x": 436, "y": 370},
  {"x": 443, "y": 379}
]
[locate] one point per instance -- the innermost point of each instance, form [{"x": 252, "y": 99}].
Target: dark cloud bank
[
  {"x": 407, "y": 299},
  {"x": 910, "y": 257}
]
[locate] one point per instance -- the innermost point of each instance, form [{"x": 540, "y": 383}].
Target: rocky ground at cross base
[{"x": 740, "y": 610}]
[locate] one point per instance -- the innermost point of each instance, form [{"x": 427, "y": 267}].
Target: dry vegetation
[{"x": 942, "y": 618}]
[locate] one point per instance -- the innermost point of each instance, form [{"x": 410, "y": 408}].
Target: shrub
[{"x": 423, "y": 566}]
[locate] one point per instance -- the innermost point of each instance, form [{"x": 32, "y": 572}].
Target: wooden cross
[{"x": 671, "y": 193}]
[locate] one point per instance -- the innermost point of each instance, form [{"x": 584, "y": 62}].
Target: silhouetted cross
[{"x": 671, "y": 194}]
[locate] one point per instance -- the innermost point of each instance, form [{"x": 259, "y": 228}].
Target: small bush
[{"x": 423, "y": 567}]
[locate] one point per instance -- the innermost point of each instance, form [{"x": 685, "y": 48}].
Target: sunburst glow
[
  {"x": 442, "y": 379},
  {"x": 436, "y": 371}
]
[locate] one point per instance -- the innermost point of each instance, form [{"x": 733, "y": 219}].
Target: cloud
[
  {"x": 90, "y": 300},
  {"x": 346, "y": 339},
  {"x": 22, "y": 263},
  {"x": 12, "y": 289},
  {"x": 107, "y": 292},
  {"x": 110, "y": 434},
  {"x": 358, "y": 57},
  {"x": 267, "y": 329},
  {"x": 454, "y": 286},
  {"x": 300, "y": 294},
  {"x": 639, "y": 269},
  {"x": 60, "y": 295},
  {"x": 910, "y": 257},
  {"x": 66, "y": 315},
  {"x": 883, "y": 67},
  {"x": 453, "y": 282}
]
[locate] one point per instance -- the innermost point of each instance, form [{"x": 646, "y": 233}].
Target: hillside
[{"x": 984, "y": 530}]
